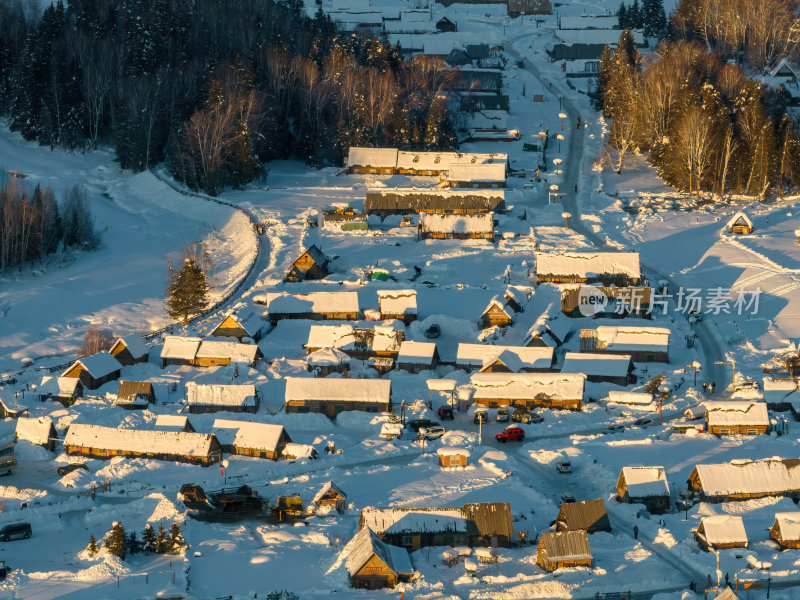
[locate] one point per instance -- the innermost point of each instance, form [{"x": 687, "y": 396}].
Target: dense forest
[
  {"x": 213, "y": 87},
  {"x": 705, "y": 125}
]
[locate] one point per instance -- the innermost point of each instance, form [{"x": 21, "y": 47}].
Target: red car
[{"x": 515, "y": 434}]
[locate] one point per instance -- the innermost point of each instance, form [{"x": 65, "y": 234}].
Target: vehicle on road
[
  {"x": 446, "y": 412},
  {"x": 564, "y": 466},
  {"x": 643, "y": 422},
  {"x": 432, "y": 432},
  {"x": 615, "y": 428},
  {"x": 433, "y": 332},
  {"x": 567, "y": 498},
  {"x": 67, "y": 469},
  {"x": 502, "y": 415},
  {"x": 15, "y": 531},
  {"x": 512, "y": 432},
  {"x": 481, "y": 416},
  {"x": 416, "y": 424}
]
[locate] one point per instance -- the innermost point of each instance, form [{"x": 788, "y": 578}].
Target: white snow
[
  {"x": 351, "y": 390},
  {"x": 35, "y": 430},
  {"x": 233, "y": 396},
  {"x": 596, "y": 364},
  {"x": 137, "y": 440},
  {"x": 472, "y": 356},
  {"x": 587, "y": 264},
  {"x": 645, "y": 482}
]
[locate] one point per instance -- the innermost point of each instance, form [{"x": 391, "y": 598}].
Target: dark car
[
  {"x": 15, "y": 531},
  {"x": 415, "y": 424},
  {"x": 615, "y": 428},
  {"x": 481, "y": 416},
  {"x": 567, "y": 498},
  {"x": 513, "y": 433},
  {"x": 434, "y": 331},
  {"x": 643, "y": 422},
  {"x": 67, "y": 469},
  {"x": 446, "y": 412}
]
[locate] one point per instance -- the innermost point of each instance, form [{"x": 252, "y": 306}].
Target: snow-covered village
[{"x": 457, "y": 300}]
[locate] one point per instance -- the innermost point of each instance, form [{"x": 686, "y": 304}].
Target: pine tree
[
  {"x": 92, "y": 547},
  {"x": 187, "y": 293},
  {"x": 162, "y": 543},
  {"x": 149, "y": 540},
  {"x": 654, "y": 18},
  {"x": 134, "y": 547},
  {"x": 176, "y": 541},
  {"x": 116, "y": 541},
  {"x": 635, "y": 16},
  {"x": 598, "y": 93},
  {"x": 623, "y": 21}
]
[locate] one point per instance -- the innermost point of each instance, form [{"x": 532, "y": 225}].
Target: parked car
[
  {"x": 446, "y": 412},
  {"x": 67, "y": 469},
  {"x": 481, "y": 416},
  {"x": 433, "y": 432},
  {"x": 434, "y": 331},
  {"x": 567, "y": 498},
  {"x": 15, "y": 531},
  {"x": 564, "y": 466},
  {"x": 502, "y": 414},
  {"x": 521, "y": 415},
  {"x": 512, "y": 432},
  {"x": 415, "y": 424},
  {"x": 643, "y": 422},
  {"x": 536, "y": 418},
  {"x": 615, "y": 428}
]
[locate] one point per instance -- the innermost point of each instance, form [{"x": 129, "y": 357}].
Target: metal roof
[
  {"x": 586, "y": 515},
  {"x": 565, "y": 545}
]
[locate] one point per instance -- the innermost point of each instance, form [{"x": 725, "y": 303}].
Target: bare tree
[{"x": 96, "y": 340}]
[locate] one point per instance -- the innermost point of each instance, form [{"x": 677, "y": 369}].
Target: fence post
[
  {"x": 147, "y": 577},
  {"x": 117, "y": 581}
]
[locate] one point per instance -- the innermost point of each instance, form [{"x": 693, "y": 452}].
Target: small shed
[
  {"x": 452, "y": 457},
  {"x": 740, "y": 223},
  {"x": 173, "y": 423},
  {"x": 417, "y": 356},
  {"x": 36, "y": 430},
  {"x": 95, "y": 370},
  {"x": 720, "y": 532},
  {"x": 311, "y": 264},
  {"x": 446, "y": 25},
  {"x": 61, "y": 389},
  {"x": 240, "y": 325},
  {"x": 373, "y": 564},
  {"x": 328, "y": 360},
  {"x": 645, "y": 485},
  {"x": 129, "y": 350},
  {"x": 557, "y": 550},
  {"x": 786, "y": 530},
  {"x": 589, "y": 516},
  {"x": 135, "y": 394},
  {"x": 497, "y": 313},
  {"x": 179, "y": 351},
  {"x": 398, "y": 304},
  {"x": 391, "y": 431},
  {"x": 331, "y": 396},
  {"x": 377, "y": 161},
  {"x": 331, "y": 495}
]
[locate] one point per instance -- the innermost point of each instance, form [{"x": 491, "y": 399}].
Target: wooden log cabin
[
  {"x": 331, "y": 494},
  {"x": 372, "y": 564},
  {"x": 211, "y": 398},
  {"x": 642, "y": 344},
  {"x": 621, "y": 302},
  {"x": 36, "y": 430},
  {"x": 316, "y": 306},
  {"x": 373, "y": 161},
  {"x": 589, "y": 516},
  {"x": 61, "y": 389},
  {"x": 95, "y": 441},
  {"x": 644, "y": 485},
  {"x": 479, "y": 176},
  {"x": 326, "y": 361},
  {"x": 311, "y": 264},
  {"x": 240, "y": 325},
  {"x": 563, "y": 549},
  {"x": 135, "y": 394},
  {"x": 456, "y": 227},
  {"x": 721, "y": 532},
  {"x": 737, "y": 418},
  {"x": 400, "y": 201},
  {"x": 196, "y": 352},
  {"x": 260, "y": 440},
  {"x": 746, "y": 480},
  {"x": 398, "y": 304},
  {"x": 333, "y": 396},
  {"x": 360, "y": 343},
  {"x": 786, "y": 530},
  {"x": 621, "y": 269},
  {"x": 415, "y": 357},
  {"x": 497, "y": 313},
  {"x": 740, "y": 223},
  {"x": 452, "y": 457},
  {"x": 94, "y": 371},
  {"x": 129, "y": 350},
  {"x": 601, "y": 368},
  {"x": 489, "y": 358},
  {"x": 439, "y": 164},
  {"x": 561, "y": 391}
]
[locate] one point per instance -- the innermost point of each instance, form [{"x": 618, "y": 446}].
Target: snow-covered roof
[
  {"x": 410, "y": 520},
  {"x": 776, "y": 390},
  {"x": 629, "y": 338},
  {"x": 436, "y": 161},
  {"x": 382, "y": 158},
  {"x": 595, "y": 36},
  {"x": 499, "y": 302},
  {"x": 486, "y": 172},
  {"x": 381, "y": 338},
  {"x": 314, "y": 302},
  {"x": 451, "y": 451},
  {"x": 365, "y": 544},
  {"x": 749, "y": 477},
  {"x": 416, "y": 352},
  {"x": 587, "y": 264},
  {"x": 596, "y": 365},
  {"x": 565, "y": 545},
  {"x": 325, "y": 357},
  {"x": 133, "y": 343},
  {"x": 327, "y": 389},
  {"x": 481, "y": 223},
  {"x": 481, "y": 355},
  {"x": 645, "y": 482},
  {"x": 392, "y": 429},
  {"x": 589, "y": 22},
  {"x": 57, "y": 386},
  {"x": 721, "y": 414},
  {"x": 238, "y": 353},
  {"x": 99, "y": 365},
  {"x": 295, "y": 451},
  {"x": 181, "y": 348},
  {"x": 397, "y": 302},
  {"x": 171, "y": 421},
  {"x": 216, "y": 394},
  {"x": 327, "y": 487},
  {"x": 403, "y": 26},
  {"x": 178, "y": 443},
  {"x": 739, "y": 219},
  {"x": 248, "y": 320},
  {"x": 259, "y": 436},
  {"x": 622, "y": 397},
  {"x": 789, "y": 525},
  {"x": 723, "y": 529},
  {"x": 35, "y": 430},
  {"x": 441, "y": 385},
  {"x": 525, "y": 386}
]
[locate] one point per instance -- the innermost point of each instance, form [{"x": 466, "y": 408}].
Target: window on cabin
[
  {"x": 416, "y": 159},
  {"x": 407, "y": 541}
]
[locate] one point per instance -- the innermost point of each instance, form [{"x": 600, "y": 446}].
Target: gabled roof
[
  {"x": 788, "y": 524},
  {"x": 645, "y": 482},
  {"x": 416, "y": 352},
  {"x": 630, "y": 338},
  {"x": 623, "y": 397},
  {"x": 345, "y": 337},
  {"x": 171, "y": 422},
  {"x": 597, "y": 365},
  {"x": 382, "y": 158},
  {"x": 129, "y": 389},
  {"x": 482, "y": 223},
  {"x": 481, "y": 355},
  {"x": 332, "y": 389},
  {"x": 178, "y": 443},
  {"x": 558, "y": 386},
  {"x": 398, "y": 302},
  {"x": 220, "y": 394},
  {"x": 564, "y": 545},
  {"x": 770, "y": 476},
  {"x": 783, "y": 69},
  {"x": 740, "y": 219},
  {"x": 510, "y": 359},
  {"x": 721, "y": 414},
  {"x": 366, "y": 544},
  {"x": 499, "y": 302},
  {"x": 723, "y": 529},
  {"x": 327, "y": 488},
  {"x": 317, "y": 255},
  {"x": 587, "y": 264},
  {"x": 57, "y": 386},
  {"x": 35, "y": 430},
  {"x": 133, "y": 343},
  {"x": 589, "y": 514},
  {"x": 727, "y": 594},
  {"x": 487, "y": 172},
  {"x": 98, "y": 365},
  {"x": 484, "y": 518},
  {"x": 182, "y": 348},
  {"x": 260, "y": 436},
  {"x": 238, "y": 353},
  {"x": 249, "y": 321}
]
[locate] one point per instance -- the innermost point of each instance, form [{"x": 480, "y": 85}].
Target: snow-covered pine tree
[
  {"x": 635, "y": 16},
  {"x": 187, "y": 293},
  {"x": 176, "y": 541},
  {"x": 92, "y": 547},
  {"x": 654, "y": 18},
  {"x": 622, "y": 16},
  {"x": 162, "y": 542},
  {"x": 149, "y": 540},
  {"x": 116, "y": 541},
  {"x": 134, "y": 546}
]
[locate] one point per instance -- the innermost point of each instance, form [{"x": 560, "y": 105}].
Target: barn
[
  {"x": 607, "y": 268},
  {"x": 737, "y": 418},
  {"x": 36, "y": 430},
  {"x": 240, "y": 325},
  {"x": 456, "y": 227},
  {"x": 61, "y": 389},
  {"x": 262, "y": 440},
  {"x": 95, "y": 370},
  {"x": 642, "y": 344},
  {"x": 311, "y": 264},
  {"x": 372, "y": 564},
  {"x": 478, "y": 175},
  {"x": 721, "y": 532},
  {"x": 786, "y": 530},
  {"x": 644, "y": 485},
  {"x": 332, "y": 396},
  {"x": 211, "y": 398},
  {"x": 375, "y": 161},
  {"x": 497, "y": 313},
  {"x": 129, "y": 350},
  {"x": 95, "y": 441},
  {"x": 601, "y": 368},
  {"x": 398, "y": 304},
  {"x": 316, "y": 306},
  {"x": 562, "y": 549},
  {"x": 135, "y": 394},
  {"x": 563, "y": 391}
]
